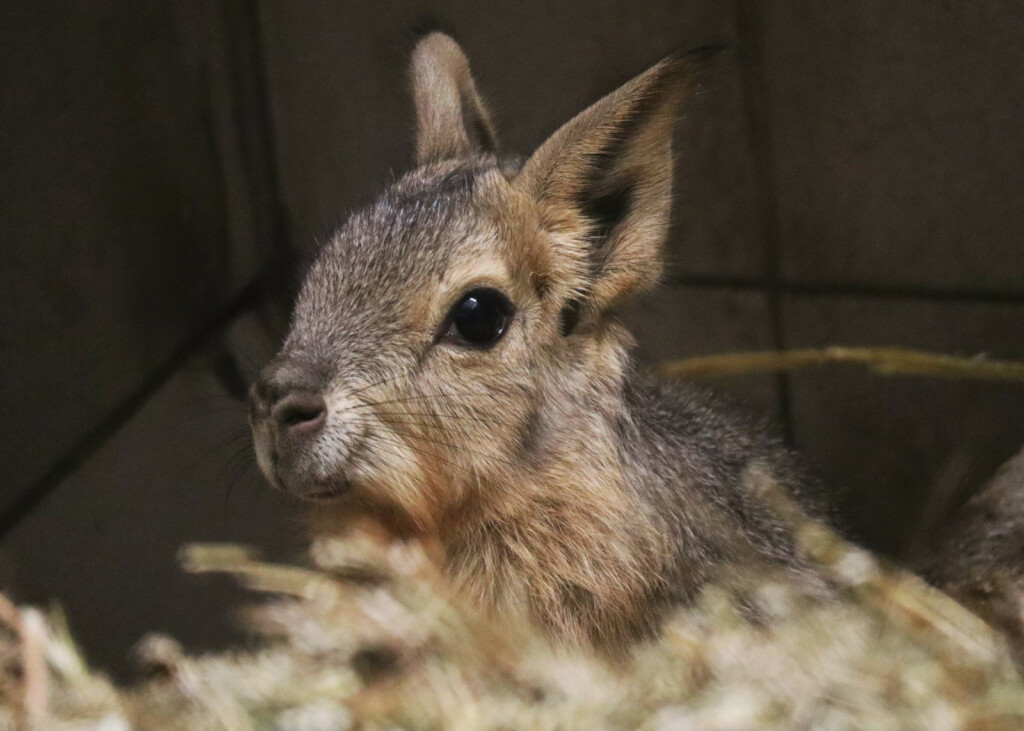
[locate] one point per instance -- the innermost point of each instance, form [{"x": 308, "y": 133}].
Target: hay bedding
[{"x": 367, "y": 637}]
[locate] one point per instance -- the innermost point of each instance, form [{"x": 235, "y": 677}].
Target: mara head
[{"x": 447, "y": 331}]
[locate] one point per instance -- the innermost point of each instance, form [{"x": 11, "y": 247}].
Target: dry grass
[
  {"x": 884, "y": 361},
  {"x": 369, "y": 638}
]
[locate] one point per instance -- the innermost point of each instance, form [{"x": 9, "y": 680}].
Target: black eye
[{"x": 480, "y": 318}]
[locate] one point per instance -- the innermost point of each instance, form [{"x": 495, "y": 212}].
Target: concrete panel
[
  {"x": 121, "y": 215},
  {"x": 104, "y": 544},
  {"x": 896, "y": 133},
  {"x": 902, "y": 447},
  {"x": 343, "y": 118},
  {"x": 679, "y": 322}
]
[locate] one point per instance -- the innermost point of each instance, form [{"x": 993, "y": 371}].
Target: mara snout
[{"x": 289, "y": 418}]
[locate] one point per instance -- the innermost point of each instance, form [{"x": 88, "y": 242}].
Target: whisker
[
  {"x": 446, "y": 395},
  {"x": 370, "y": 421},
  {"x": 368, "y": 386},
  {"x": 205, "y": 456},
  {"x": 439, "y": 417},
  {"x": 240, "y": 452},
  {"x": 444, "y": 443},
  {"x": 388, "y": 439},
  {"x": 237, "y": 408},
  {"x": 407, "y": 399},
  {"x": 436, "y": 418},
  {"x": 240, "y": 463},
  {"x": 241, "y": 459},
  {"x": 249, "y": 365}
]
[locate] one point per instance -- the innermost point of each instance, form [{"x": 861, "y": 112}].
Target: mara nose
[{"x": 300, "y": 413}]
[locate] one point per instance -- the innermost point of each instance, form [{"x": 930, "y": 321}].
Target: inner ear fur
[
  {"x": 603, "y": 181},
  {"x": 451, "y": 119}
]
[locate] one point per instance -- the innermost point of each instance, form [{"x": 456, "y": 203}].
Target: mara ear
[
  {"x": 451, "y": 119},
  {"x": 604, "y": 182}
]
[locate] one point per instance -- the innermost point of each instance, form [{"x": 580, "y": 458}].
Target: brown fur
[
  {"x": 979, "y": 555},
  {"x": 558, "y": 483}
]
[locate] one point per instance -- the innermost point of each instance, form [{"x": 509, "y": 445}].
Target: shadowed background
[{"x": 850, "y": 173}]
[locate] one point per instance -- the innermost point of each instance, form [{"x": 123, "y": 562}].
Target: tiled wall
[{"x": 851, "y": 173}]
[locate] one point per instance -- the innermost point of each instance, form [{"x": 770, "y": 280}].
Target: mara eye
[{"x": 480, "y": 318}]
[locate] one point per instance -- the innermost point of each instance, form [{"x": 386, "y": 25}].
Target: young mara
[{"x": 455, "y": 370}]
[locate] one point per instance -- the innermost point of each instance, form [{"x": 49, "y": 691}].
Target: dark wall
[
  {"x": 128, "y": 211},
  {"x": 137, "y": 216},
  {"x": 851, "y": 173}
]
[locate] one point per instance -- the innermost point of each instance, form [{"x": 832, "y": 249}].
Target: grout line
[
  {"x": 754, "y": 89},
  {"x": 841, "y": 289},
  {"x": 820, "y": 289},
  {"x": 250, "y": 296}
]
